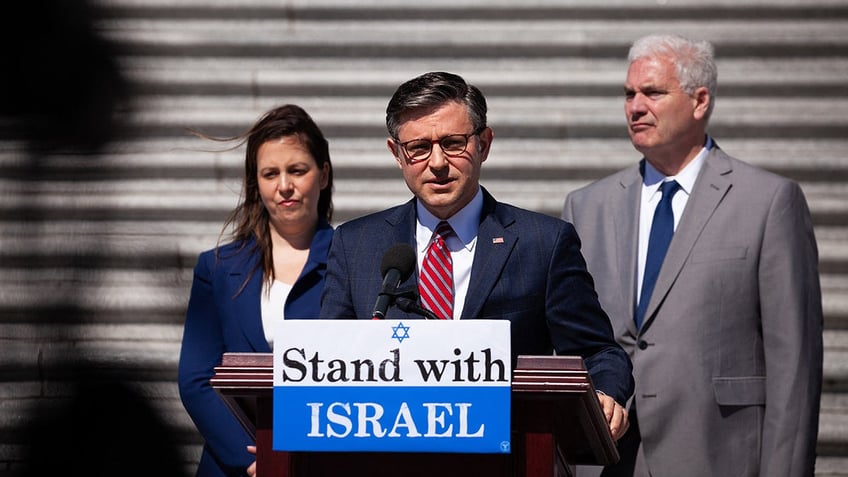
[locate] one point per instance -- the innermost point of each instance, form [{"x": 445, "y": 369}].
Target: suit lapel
[
  {"x": 710, "y": 188},
  {"x": 246, "y": 306},
  {"x": 495, "y": 242},
  {"x": 626, "y": 227},
  {"x": 403, "y": 224}
]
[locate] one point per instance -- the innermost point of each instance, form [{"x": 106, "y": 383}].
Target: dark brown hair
[{"x": 435, "y": 89}]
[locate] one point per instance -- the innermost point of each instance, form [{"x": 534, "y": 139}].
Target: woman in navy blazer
[{"x": 272, "y": 269}]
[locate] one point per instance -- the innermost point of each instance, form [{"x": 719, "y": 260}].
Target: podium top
[{"x": 559, "y": 363}]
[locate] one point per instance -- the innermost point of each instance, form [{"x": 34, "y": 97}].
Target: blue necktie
[{"x": 662, "y": 228}]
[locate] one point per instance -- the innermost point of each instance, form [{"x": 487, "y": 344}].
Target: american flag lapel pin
[{"x": 497, "y": 240}]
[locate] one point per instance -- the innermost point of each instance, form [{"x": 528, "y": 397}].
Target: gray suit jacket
[{"x": 728, "y": 363}]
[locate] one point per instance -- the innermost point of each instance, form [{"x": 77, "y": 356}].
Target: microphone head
[{"x": 401, "y": 257}]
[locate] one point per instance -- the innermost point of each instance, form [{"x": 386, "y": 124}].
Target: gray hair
[
  {"x": 694, "y": 61},
  {"x": 431, "y": 90}
]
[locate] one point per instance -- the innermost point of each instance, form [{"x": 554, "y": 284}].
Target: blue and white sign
[{"x": 392, "y": 386}]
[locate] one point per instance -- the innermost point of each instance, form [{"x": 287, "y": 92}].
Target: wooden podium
[{"x": 557, "y": 422}]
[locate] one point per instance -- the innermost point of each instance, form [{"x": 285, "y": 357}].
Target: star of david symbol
[{"x": 400, "y": 332}]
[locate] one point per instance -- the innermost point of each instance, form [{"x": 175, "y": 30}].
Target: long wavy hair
[{"x": 250, "y": 219}]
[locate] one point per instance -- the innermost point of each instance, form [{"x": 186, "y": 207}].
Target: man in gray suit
[{"x": 711, "y": 283}]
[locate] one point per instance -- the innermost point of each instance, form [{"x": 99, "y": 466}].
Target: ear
[
  {"x": 394, "y": 148},
  {"x": 325, "y": 175},
  {"x": 484, "y": 143},
  {"x": 702, "y": 102}
]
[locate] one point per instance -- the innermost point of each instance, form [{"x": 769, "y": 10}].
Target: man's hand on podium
[
  {"x": 251, "y": 469},
  {"x": 615, "y": 414}
]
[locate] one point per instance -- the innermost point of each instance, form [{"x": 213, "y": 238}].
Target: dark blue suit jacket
[
  {"x": 220, "y": 319},
  {"x": 527, "y": 269}
]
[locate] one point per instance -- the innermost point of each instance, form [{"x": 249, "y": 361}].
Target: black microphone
[{"x": 397, "y": 265}]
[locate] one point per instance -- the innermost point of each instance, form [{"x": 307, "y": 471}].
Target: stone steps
[{"x": 97, "y": 250}]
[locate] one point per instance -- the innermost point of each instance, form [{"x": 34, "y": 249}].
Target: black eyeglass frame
[{"x": 430, "y": 142}]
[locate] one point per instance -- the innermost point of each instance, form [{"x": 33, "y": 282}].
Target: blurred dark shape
[
  {"x": 61, "y": 85},
  {"x": 61, "y": 91},
  {"x": 104, "y": 428}
]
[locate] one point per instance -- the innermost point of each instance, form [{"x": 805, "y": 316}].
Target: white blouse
[{"x": 273, "y": 307}]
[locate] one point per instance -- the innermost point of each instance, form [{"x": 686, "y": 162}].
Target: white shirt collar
[
  {"x": 464, "y": 223},
  {"x": 686, "y": 178}
]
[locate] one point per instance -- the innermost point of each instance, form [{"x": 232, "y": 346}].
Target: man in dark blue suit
[{"x": 506, "y": 263}]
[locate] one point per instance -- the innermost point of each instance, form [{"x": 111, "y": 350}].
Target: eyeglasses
[{"x": 418, "y": 150}]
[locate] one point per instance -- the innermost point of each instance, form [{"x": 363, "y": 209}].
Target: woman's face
[{"x": 290, "y": 183}]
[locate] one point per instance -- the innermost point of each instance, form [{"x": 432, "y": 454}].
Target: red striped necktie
[{"x": 435, "y": 282}]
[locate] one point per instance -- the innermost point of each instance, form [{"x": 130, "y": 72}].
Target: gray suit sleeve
[{"x": 790, "y": 297}]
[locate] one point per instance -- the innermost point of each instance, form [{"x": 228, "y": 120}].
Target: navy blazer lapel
[
  {"x": 402, "y": 225},
  {"x": 246, "y": 307},
  {"x": 710, "y": 188},
  {"x": 400, "y": 228},
  {"x": 402, "y": 222},
  {"x": 626, "y": 227},
  {"x": 495, "y": 241},
  {"x": 317, "y": 257}
]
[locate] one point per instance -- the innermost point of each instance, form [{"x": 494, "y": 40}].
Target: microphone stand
[{"x": 407, "y": 300}]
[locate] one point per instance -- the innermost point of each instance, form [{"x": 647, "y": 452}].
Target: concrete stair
[{"x": 97, "y": 249}]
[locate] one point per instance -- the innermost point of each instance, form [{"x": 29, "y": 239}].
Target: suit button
[{"x": 643, "y": 344}]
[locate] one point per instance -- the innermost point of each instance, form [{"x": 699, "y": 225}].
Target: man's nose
[
  {"x": 635, "y": 105},
  {"x": 438, "y": 159}
]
